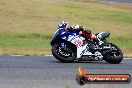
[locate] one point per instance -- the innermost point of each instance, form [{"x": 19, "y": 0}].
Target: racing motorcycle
[{"x": 70, "y": 47}]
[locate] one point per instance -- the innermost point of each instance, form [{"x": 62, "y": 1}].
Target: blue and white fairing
[{"x": 74, "y": 38}]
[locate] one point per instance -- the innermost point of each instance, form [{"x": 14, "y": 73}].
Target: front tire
[
  {"x": 114, "y": 58},
  {"x": 63, "y": 58}
]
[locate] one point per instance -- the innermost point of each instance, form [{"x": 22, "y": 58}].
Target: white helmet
[{"x": 63, "y": 24}]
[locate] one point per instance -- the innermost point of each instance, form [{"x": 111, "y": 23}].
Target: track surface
[
  {"x": 47, "y": 72},
  {"x": 119, "y": 1}
]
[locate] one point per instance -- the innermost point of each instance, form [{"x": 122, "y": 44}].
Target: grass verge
[{"x": 27, "y": 26}]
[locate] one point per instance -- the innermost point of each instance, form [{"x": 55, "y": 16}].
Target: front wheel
[
  {"x": 115, "y": 55},
  {"x": 66, "y": 54}
]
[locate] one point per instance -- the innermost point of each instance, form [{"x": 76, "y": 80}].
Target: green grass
[
  {"x": 24, "y": 46},
  {"x": 27, "y": 26},
  {"x": 122, "y": 43},
  {"x": 23, "y": 42},
  {"x": 67, "y": 85}
]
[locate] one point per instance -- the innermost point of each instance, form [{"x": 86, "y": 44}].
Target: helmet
[{"x": 63, "y": 24}]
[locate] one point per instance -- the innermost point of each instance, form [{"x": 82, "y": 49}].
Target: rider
[{"x": 79, "y": 29}]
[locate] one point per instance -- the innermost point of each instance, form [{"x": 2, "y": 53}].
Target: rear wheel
[
  {"x": 115, "y": 56},
  {"x": 65, "y": 54}
]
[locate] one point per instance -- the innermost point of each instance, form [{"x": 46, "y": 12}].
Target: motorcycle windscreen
[{"x": 54, "y": 37}]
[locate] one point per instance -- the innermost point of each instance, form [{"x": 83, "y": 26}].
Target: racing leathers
[
  {"x": 80, "y": 29},
  {"x": 83, "y": 32}
]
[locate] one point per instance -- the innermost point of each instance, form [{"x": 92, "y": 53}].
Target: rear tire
[
  {"x": 62, "y": 58},
  {"x": 114, "y": 58}
]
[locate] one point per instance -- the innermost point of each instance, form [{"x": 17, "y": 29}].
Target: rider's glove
[
  {"x": 81, "y": 28},
  {"x": 70, "y": 28},
  {"x": 87, "y": 31}
]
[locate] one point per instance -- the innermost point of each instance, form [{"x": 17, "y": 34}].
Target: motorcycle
[{"x": 70, "y": 47}]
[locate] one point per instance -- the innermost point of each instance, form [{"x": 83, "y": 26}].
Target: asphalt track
[
  {"x": 47, "y": 72},
  {"x": 119, "y": 1}
]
